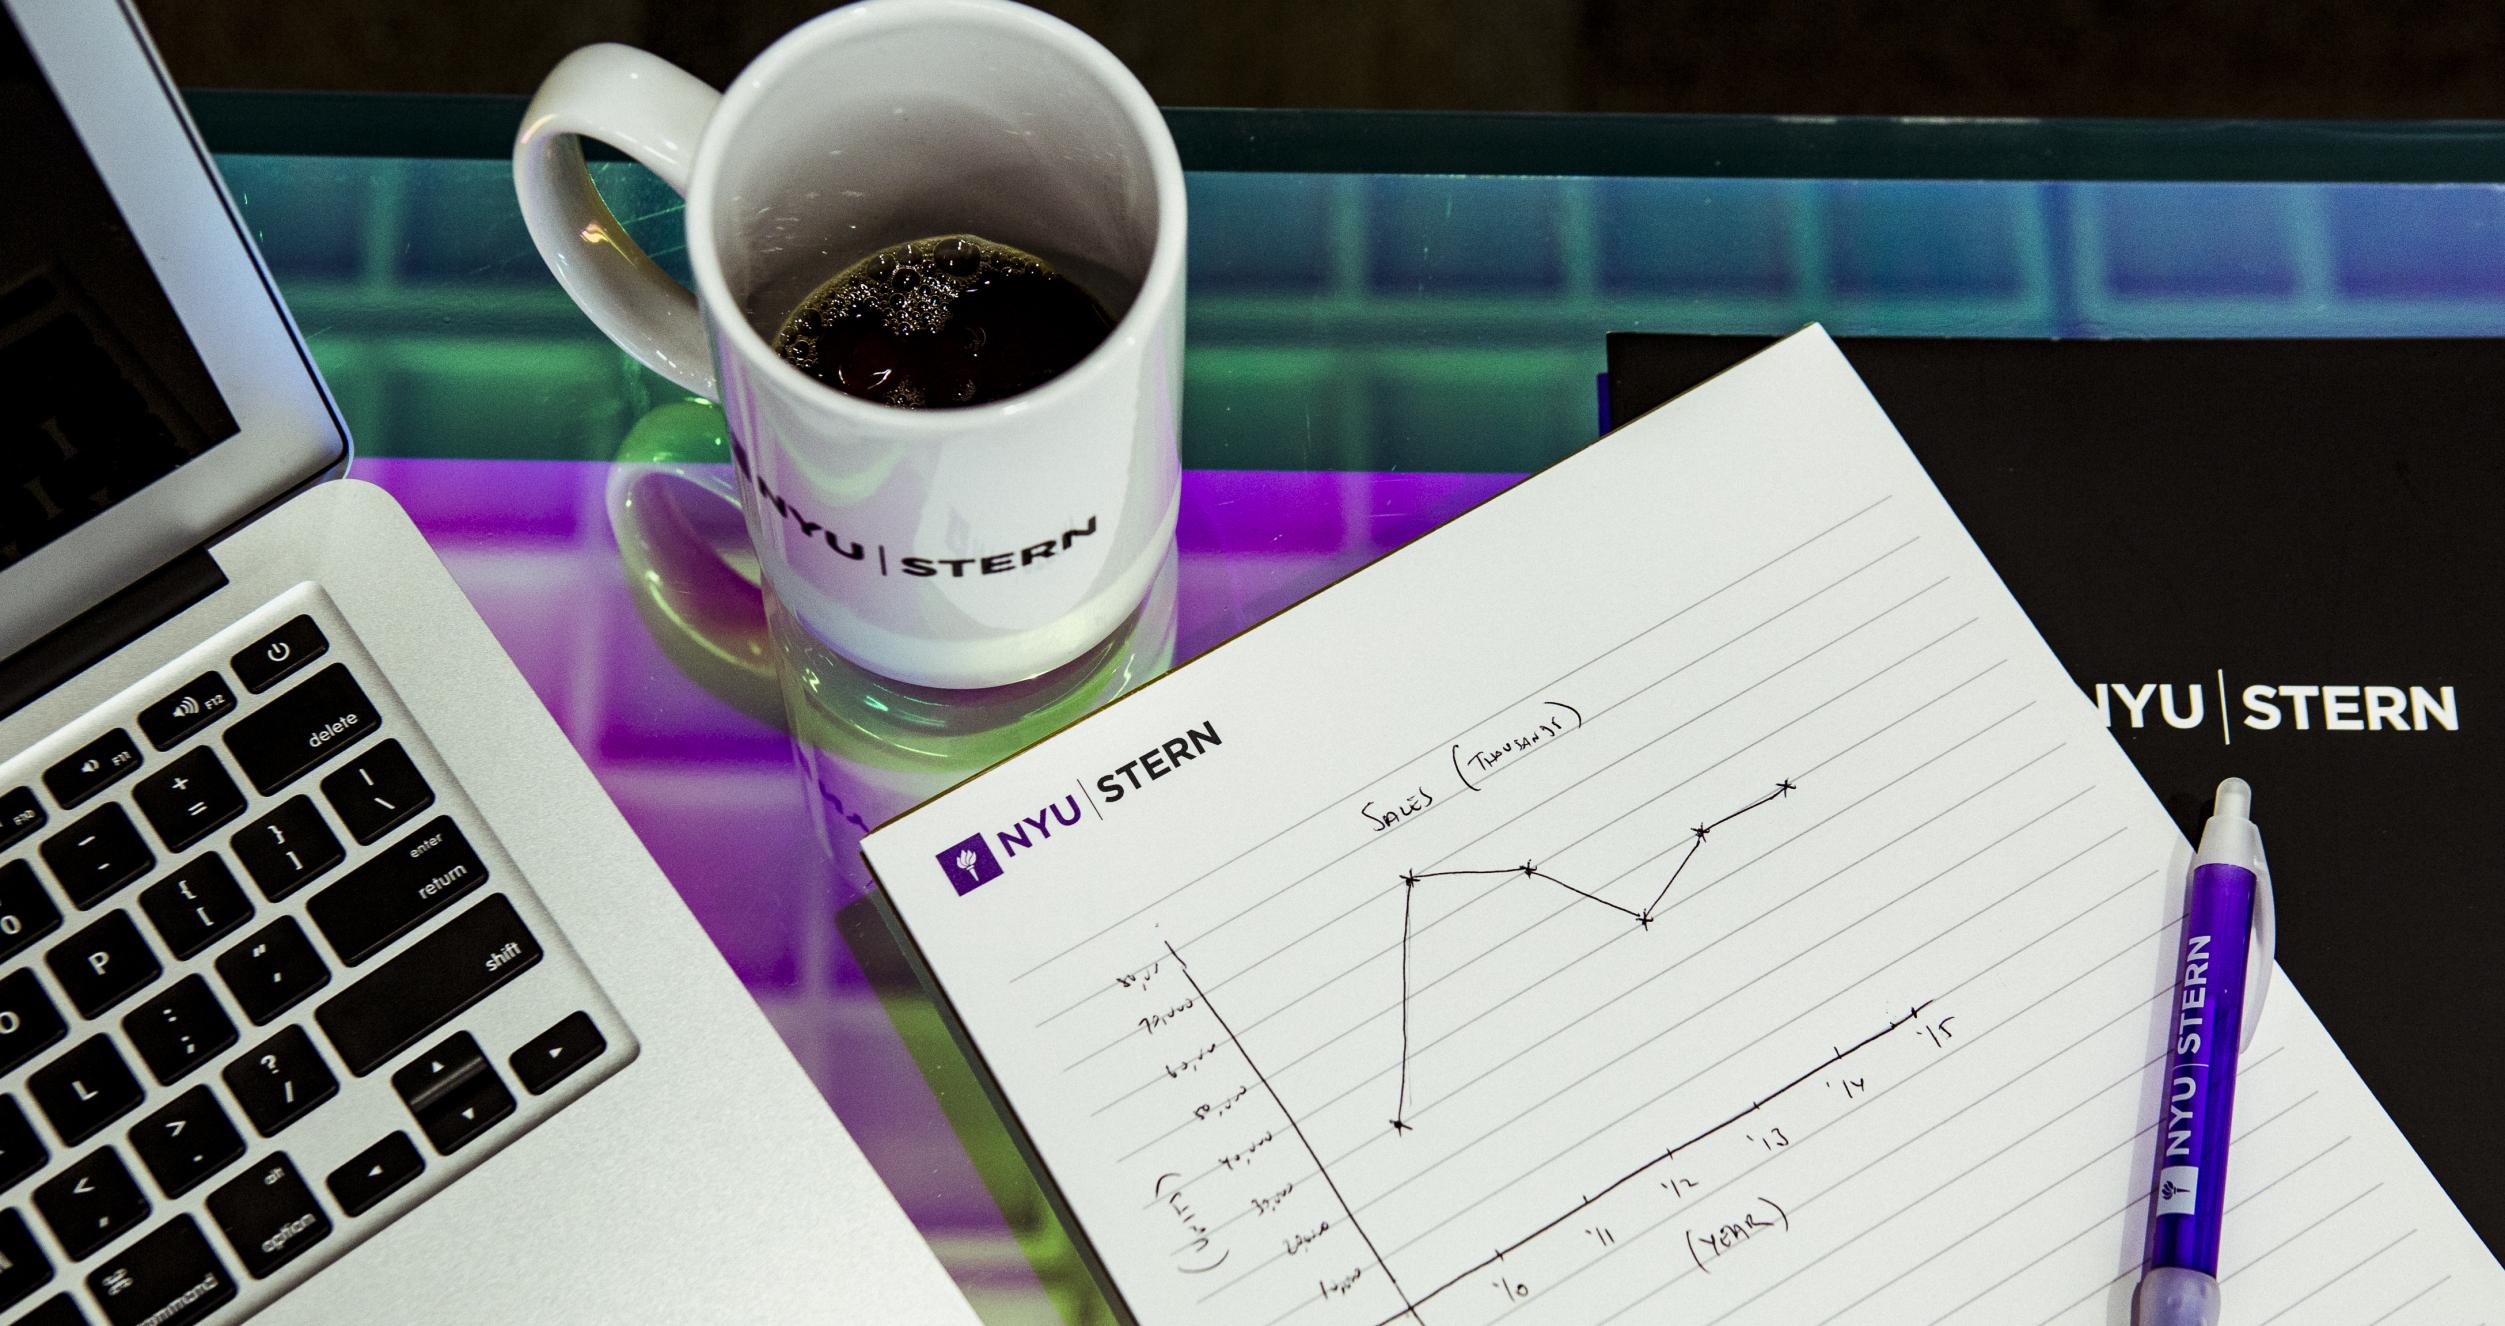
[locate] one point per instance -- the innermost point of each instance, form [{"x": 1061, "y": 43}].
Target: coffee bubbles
[{"x": 950, "y": 321}]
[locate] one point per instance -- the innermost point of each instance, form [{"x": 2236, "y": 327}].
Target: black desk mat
[{"x": 2216, "y": 516}]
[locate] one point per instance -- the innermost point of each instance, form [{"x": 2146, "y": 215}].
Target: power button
[{"x": 268, "y": 660}]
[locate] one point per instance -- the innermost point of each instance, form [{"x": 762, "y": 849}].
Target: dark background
[
  {"x": 2286, "y": 512},
  {"x": 2374, "y": 59}
]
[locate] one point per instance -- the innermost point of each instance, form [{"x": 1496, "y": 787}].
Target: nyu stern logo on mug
[{"x": 938, "y": 259}]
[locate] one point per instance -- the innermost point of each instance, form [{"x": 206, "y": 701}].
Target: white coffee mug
[{"x": 947, "y": 547}]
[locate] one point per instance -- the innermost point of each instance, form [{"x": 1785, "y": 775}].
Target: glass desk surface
[{"x": 1369, "y": 354}]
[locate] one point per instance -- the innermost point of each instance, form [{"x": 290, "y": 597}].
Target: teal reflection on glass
[{"x": 1407, "y": 322}]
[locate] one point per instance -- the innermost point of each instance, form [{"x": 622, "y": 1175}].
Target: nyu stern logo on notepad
[
  {"x": 976, "y": 860},
  {"x": 969, "y": 865},
  {"x": 972, "y": 862}
]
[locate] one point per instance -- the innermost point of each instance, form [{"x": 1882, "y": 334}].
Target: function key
[
  {"x": 375, "y": 1173},
  {"x": 187, "y": 1141},
  {"x": 179, "y": 1029},
  {"x": 21, "y": 1152},
  {"x": 269, "y": 1216},
  {"x": 91, "y": 1203},
  {"x": 28, "y": 1021},
  {"x": 195, "y": 906},
  {"x": 85, "y": 1089},
  {"x": 186, "y": 799},
  {"x": 272, "y": 970},
  {"x": 552, "y": 1056},
  {"x": 20, "y": 815},
  {"x": 103, "y": 964},
  {"x": 97, "y": 855},
  {"x": 377, "y": 792},
  {"x": 23, "y": 1267},
  {"x": 26, "y": 911},
  {"x": 286, "y": 848},
  {"x": 322, "y": 716},
  {"x": 267, "y": 660},
  {"x": 169, "y": 1278},
  {"x": 92, "y": 768},
  {"x": 202, "y": 701},
  {"x": 280, "y": 1081}
]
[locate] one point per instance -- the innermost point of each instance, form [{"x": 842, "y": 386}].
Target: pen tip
[{"x": 2235, "y": 800}]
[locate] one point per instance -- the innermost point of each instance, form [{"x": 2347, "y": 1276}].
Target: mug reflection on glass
[{"x": 872, "y": 746}]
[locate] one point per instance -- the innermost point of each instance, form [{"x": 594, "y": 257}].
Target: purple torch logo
[{"x": 969, "y": 864}]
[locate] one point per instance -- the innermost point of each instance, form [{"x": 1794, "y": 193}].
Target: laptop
[{"x": 332, "y": 987}]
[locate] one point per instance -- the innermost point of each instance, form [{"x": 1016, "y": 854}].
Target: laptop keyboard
[{"x": 266, "y": 984}]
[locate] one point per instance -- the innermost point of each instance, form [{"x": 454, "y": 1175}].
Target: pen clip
[{"x": 2263, "y": 959}]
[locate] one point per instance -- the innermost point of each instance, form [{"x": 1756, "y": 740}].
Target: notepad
[{"x": 1684, "y": 888}]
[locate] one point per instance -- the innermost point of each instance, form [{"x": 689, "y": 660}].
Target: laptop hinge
[{"x": 84, "y": 640}]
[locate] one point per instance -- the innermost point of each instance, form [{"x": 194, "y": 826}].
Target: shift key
[
  {"x": 428, "y": 985},
  {"x": 278, "y": 742}
]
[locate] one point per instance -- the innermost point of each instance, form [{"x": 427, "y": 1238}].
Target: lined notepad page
[{"x": 1683, "y": 889}]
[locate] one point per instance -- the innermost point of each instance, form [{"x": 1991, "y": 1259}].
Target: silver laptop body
[{"x": 332, "y": 987}]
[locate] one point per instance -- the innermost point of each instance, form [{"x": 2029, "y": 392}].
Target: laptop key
[
  {"x": 269, "y": 1216},
  {"x": 267, "y": 661},
  {"x": 20, "y": 815},
  {"x": 201, "y": 701},
  {"x": 97, "y": 855},
  {"x": 26, "y": 910},
  {"x": 462, "y": 1115},
  {"x": 28, "y": 1021},
  {"x": 280, "y": 1081},
  {"x": 552, "y": 1056},
  {"x": 453, "y": 1092},
  {"x": 170, "y": 1277},
  {"x": 58, "y": 1310},
  {"x": 196, "y": 906},
  {"x": 104, "y": 964},
  {"x": 21, "y": 1152},
  {"x": 23, "y": 1267},
  {"x": 84, "y": 1089},
  {"x": 186, "y": 1142},
  {"x": 272, "y": 970},
  {"x": 428, "y": 984},
  {"x": 377, "y": 792},
  {"x": 375, "y": 1173},
  {"x": 398, "y": 890},
  {"x": 92, "y": 768},
  {"x": 187, "y": 798},
  {"x": 284, "y": 850},
  {"x": 179, "y": 1030},
  {"x": 324, "y": 715},
  {"x": 92, "y": 1203}
]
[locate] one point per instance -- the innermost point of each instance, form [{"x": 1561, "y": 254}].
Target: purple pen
[{"x": 2229, "y": 931}]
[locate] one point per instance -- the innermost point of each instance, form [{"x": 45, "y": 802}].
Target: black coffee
[{"x": 934, "y": 323}]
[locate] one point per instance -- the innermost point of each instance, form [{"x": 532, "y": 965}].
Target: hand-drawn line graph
[
  {"x": 1409, "y": 881},
  {"x": 1410, "y": 1303}
]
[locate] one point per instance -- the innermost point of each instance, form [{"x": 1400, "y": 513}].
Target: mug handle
[{"x": 655, "y": 112}]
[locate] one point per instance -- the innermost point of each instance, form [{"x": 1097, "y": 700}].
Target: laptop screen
[{"x": 101, "y": 392}]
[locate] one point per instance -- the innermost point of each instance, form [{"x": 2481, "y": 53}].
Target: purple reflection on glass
[{"x": 706, "y": 775}]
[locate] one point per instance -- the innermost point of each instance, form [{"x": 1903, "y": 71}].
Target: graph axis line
[
  {"x": 1638, "y": 1172},
  {"x": 1408, "y": 1308}
]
